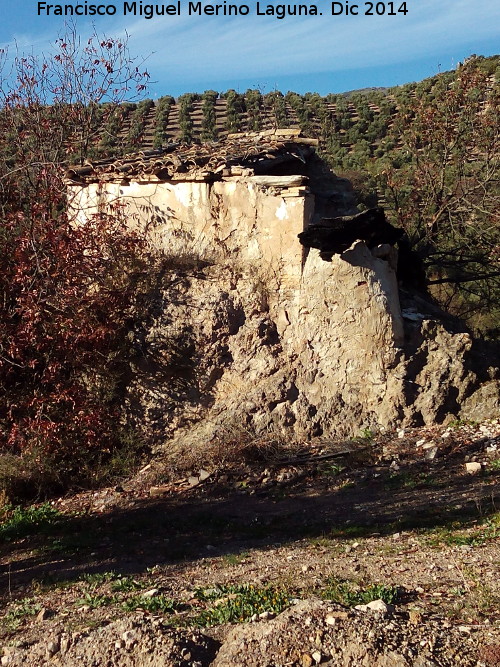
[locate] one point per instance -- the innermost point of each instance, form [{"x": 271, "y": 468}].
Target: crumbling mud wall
[
  {"x": 263, "y": 334},
  {"x": 335, "y": 355}
]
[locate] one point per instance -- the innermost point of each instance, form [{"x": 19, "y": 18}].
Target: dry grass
[{"x": 233, "y": 447}]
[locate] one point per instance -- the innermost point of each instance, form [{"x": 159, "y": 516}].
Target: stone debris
[
  {"x": 151, "y": 593},
  {"x": 158, "y": 491},
  {"x": 378, "y": 606},
  {"x": 355, "y": 639},
  {"x": 311, "y": 632}
]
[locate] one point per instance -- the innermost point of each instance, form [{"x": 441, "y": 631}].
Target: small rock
[
  {"x": 193, "y": 481},
  {"x": 306, "y": 660},
  {"x": 473, "y": 467},
  {"x": 378, "y": 606},
  {"x": 151, "y": 593},
  {"x": 53, "y": 647},
  {"x": 333, "y": 616},
  {"x": 415, "y": 617},
  {"x": 266, "y": 615},
  {"x": 43, "y": 614},
  {"x": 203, "y": 475},
  {"x": 65, "y": 643},
  {"x": 317, "y": 657},
  {"x": 130, "y": 637},
  {"x": 156, "y": 491}
]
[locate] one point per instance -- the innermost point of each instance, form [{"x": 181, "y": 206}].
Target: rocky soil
[{"x": 277, "y": 561}]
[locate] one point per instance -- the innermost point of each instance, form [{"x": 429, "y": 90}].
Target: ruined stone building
[{"x": 270, "y": 334}]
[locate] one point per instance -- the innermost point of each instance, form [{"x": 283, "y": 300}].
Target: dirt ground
[{"x": 264, "y": 563}]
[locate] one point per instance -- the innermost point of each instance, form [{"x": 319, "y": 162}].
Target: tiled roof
[{"x": 239, "y": 154}]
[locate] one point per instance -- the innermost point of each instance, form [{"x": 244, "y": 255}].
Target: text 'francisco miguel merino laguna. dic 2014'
[
  {"x": 177, "y": 8},
  {"x": 197, "y": 8}
]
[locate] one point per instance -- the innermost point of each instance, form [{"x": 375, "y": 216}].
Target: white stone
[
  {"x": 151, "y": 593},
  {"x": 378, "y": 606}
]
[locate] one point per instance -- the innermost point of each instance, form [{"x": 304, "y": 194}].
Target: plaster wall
[{"x": 234, "y": 218}]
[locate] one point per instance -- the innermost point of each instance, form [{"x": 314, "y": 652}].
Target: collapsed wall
[{"x": 261, "y": 333}]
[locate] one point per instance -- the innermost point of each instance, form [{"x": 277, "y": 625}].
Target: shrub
[
  {"x": 68, "y": 294},
  {"x": 67, "y": 302}
]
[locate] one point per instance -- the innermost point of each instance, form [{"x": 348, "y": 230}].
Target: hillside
[{"x": 339, "y": 121}]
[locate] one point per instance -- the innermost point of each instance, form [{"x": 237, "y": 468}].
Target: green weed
[
  {"x": 235, "y": 559},
  {"x": 346, "y": 532},
  {"x": 456, "y": 535},
  {"x": 332, "y": 469},
  {"x": 95, "y": 601},
  {"x": 126, "y": 585},
  {"x": 154, "y": 605},
  {"x": 238, "y": 603},
  {"x": 96, "y": 579},
  {"x": 21, "y": 521},
  {"x": 350, "y": 593},
  {"x": 406, "y": 480},
  {"x": 25, "y": 607},
  {"x": 458, "y": 423}
]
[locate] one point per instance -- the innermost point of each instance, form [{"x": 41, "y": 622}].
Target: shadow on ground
[{"x": 215, "y": 521}]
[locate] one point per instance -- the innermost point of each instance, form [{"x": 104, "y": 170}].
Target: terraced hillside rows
[
  {"x": 351, "y": 127},
  {"x": 212, "y": 116}
]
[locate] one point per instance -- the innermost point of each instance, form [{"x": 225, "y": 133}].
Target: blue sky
[{"x": 189, "y": 53}]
